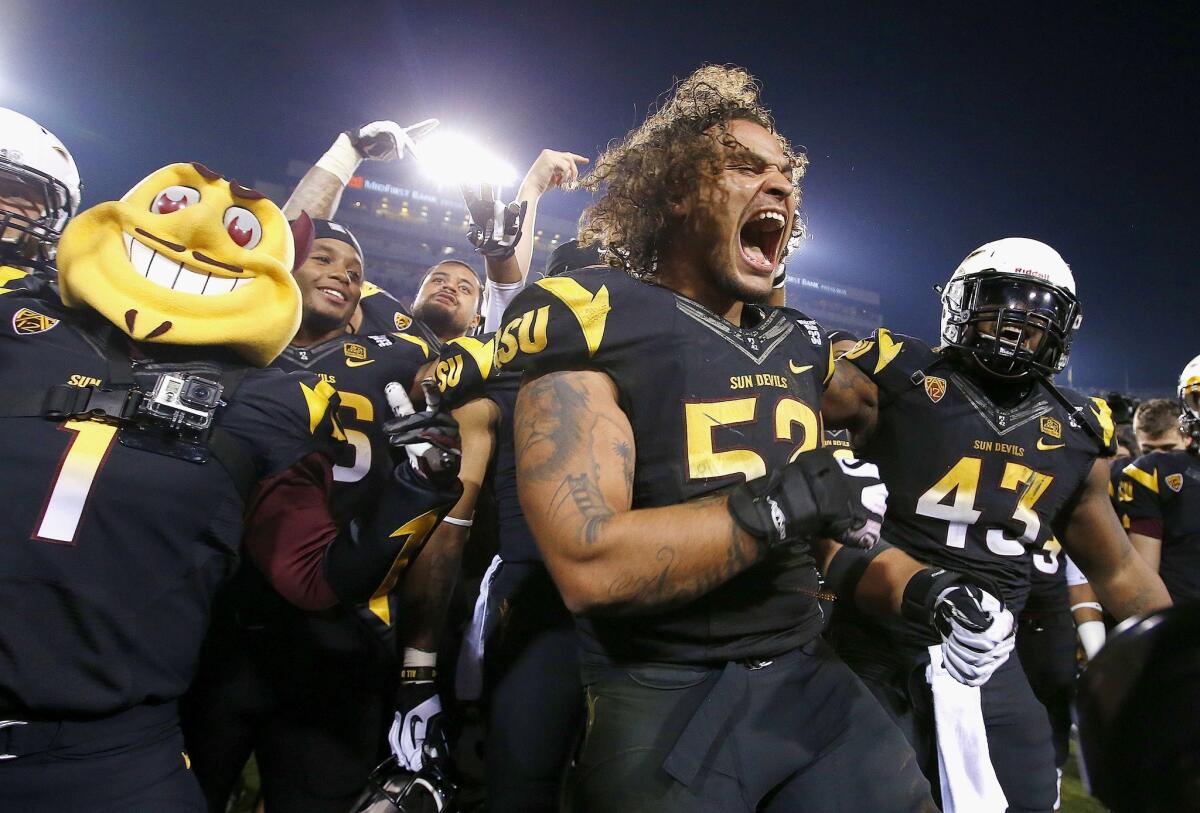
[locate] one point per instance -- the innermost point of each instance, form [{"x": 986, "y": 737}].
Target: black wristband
[
  {"x": 847, "y": 567},
  {"x": 418, "y": 674},
  {"x": 922, "y": 591}
]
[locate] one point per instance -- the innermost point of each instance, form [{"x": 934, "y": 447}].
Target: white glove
[
  {"x": 411, "y": 727},
  {"x": 387, "y": 140},
  {"x": 978, "y": 633}
]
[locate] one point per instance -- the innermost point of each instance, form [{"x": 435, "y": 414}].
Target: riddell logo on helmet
[{"x": 1029, "y": 272}]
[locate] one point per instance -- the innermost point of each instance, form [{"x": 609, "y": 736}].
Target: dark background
[{"x": 931, "y": 128}]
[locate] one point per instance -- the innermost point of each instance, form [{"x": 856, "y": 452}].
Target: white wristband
[
  {"x": 462, "y": 523},
  {"x": 1088, "y": 605},
  {"x": 341, "y": 159},
  {"x": 414, "y": 657},
  {"x": 1091, "y": 636}
]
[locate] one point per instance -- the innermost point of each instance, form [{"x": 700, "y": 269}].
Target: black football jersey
[
  {"x": 711, "y": 405},
  {"x": 383, "y": 313},
  {"x": 111, "y": 553},
  {"x": 466, "y": 371},
  {"x": 972, "y": 486},
  {"x": 1162, "y": 499}
]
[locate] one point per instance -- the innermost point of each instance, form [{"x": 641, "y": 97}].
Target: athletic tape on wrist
[
  {"x": 341, "y": 159},
  {"x": 462, "y": 523}
]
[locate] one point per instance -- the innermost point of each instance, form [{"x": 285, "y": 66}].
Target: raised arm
[{"x": 1096, "y": 542}]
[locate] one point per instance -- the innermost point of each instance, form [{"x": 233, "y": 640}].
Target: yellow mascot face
[{"x": 186, "y": 258}]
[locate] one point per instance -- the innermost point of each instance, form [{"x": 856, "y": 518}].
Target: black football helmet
[
  {"x": 1011, "y": 304},
  {"x": 1139, "y": 729},
  {"x": 392, "y": 788}
]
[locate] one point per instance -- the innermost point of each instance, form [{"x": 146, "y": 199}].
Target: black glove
[
  {"x": 816, "y": 495},
  {"x": 495, "y": 227},
  {"x": 430, "y": 444}
]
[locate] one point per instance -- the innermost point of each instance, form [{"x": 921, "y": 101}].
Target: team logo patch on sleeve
[
  {"x": 1052, "y": 427},
  {"x": 935, "y": 388},
  {"x": 402, "y": 321},
  {"x": 1174, "y": 482},
  {"x": 26, "y": 322}
]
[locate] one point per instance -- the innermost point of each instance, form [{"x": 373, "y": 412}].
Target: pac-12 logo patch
[
  {"x": 26, "y": 322},
  {"x": 1174, "y": 482},
  {"x": 935, "y": 388},
  {"x": 402, "y": 321},
  {"x": 1052, "y": 427}
]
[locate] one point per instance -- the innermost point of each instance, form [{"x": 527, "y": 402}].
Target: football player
[
  {"x": 1160, "y": 491},
  {"x": 1159, "y": 426},
  {"x": 317, "y": 731},
  {"x": 319, "y": 194},
  {"x": 39, "y": 192},
  {"x": 985, "y": 459},
  {"x": 144, "y": 447},
  {"x": 667, "y": 445}
]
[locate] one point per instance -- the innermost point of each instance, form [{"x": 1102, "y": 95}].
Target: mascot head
[{"x": 188, "y": 258}]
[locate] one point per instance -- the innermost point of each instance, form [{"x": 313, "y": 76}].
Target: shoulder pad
[
  {"x": 1096, "y": 413},
  {"x": 562, "y": 322},
  {"x": 816, "y": 337},
  {"x": 462, "y": 368},
  {"x": 1157, "y": 472},
  {"x": 880, "y": 352},
  {"x": 12, "y": 279},
  {"x": 408, "y": 340}
]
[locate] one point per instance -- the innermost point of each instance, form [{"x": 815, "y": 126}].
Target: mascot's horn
[{"x": 302, "y": 236}]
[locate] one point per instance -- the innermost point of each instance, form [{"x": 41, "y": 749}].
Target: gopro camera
[{"x": 183, "y": 400}]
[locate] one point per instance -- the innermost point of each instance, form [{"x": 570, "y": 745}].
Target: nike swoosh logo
[
  {"x": 1046, "y": 447},
  {"x": 353, "y": 363},
  {"x": 797, "y": 370}
]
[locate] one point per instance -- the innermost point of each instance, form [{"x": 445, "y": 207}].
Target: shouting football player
[
  {"x": 668, "y": 463},
  {"x": 985, "y": 460}
]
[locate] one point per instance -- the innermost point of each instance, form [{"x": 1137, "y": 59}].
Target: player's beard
[{"x": 318, "y": 323}]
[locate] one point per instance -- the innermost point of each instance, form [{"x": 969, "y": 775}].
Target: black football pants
[
  {"x": 800, "y": 734},
  {"x": 534, "y": 691},
  {"x": 133, "y": 761},
  {"x": 1046, "y": 645}
]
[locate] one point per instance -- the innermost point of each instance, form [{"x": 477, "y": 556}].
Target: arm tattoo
[{"x": 318, "y": 193}]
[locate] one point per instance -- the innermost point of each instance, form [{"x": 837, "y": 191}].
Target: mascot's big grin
[{"x": 189, "y": 258}]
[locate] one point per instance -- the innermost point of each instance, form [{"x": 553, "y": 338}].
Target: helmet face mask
[
  {"x": 1189, "y": 401},
  {"x": 30, "y": 238},
  {"x": 391, "y": 788},
  {"x": 1011, "y": 306}
]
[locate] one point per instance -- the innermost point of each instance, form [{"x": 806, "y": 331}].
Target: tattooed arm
[
  {"x": 318, "y": 193},
  {"x": 1096, "y": 542},
  {"x": 432, "y": 575},
  {"x": 575, "y": 462},
  {"x": 851, "y": 401}
]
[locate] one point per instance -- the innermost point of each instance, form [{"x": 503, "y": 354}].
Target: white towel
[
  {"x": 468, "y": 678},
  {"x": 969, "y": 783}
]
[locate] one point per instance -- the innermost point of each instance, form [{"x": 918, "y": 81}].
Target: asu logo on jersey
[
  {"x": 935, "y": 388},
  {"x": 26, "y": 322}
]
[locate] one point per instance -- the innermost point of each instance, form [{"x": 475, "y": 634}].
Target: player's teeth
[{"x": 128, "y": 244}]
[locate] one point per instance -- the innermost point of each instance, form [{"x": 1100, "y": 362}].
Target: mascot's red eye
[
  {"x": 243, "y": 227},
  {"x": 174, "y": 198}
]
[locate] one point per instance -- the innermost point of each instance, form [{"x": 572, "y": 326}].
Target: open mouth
[
  {"x": 176, "y": 275},
  {"x": 761, "y": 238}
]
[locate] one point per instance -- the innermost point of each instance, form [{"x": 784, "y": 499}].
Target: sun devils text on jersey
[
  {"x": 116, "y": 537},
  {"x": 711, "y": 405},
  {"x": 1160, "y": 498},
  {"x": 974, "y": 486}
]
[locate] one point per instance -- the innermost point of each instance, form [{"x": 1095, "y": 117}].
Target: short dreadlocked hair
[{"x": 664, "y": 161}]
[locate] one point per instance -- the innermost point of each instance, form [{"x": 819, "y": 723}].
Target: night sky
[{"x": 931, "y": 129}]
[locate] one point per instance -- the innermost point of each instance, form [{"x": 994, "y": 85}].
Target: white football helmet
[
  {"x": 38, "y": 170},
  {"x": 1011, "y": 303},
  {"x": 1189, "y": 399}
]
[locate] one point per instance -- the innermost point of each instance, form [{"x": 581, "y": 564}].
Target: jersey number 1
[{"x": 76, "y": 472}]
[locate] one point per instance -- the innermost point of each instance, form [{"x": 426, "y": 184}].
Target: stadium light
[{"x": 452, "y": 158}]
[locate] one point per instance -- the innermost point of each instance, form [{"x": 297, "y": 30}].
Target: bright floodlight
[{"x": 451, "y": 158}]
